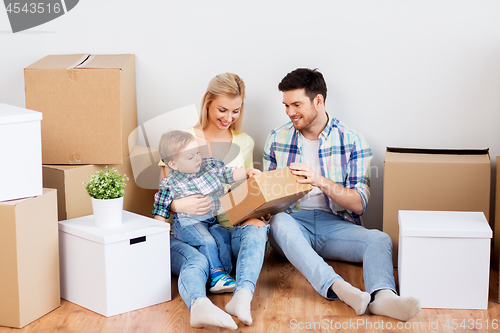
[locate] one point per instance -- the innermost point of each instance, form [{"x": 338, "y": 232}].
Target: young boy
[{"x": 191, "y": 175}]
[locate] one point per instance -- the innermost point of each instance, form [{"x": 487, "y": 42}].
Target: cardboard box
[
  {"x": 29, "y": 259},
  {"x": 434, "y": 179},
  {"x": 73, "y": 200},
  {"x": 268, "y": 193},
  {"x": 89, "y": 106},
  {"x": 444, "y": 258},
  {"x": 21, "y": 153},
  {"x": 128, "y": 266},
  {"x": 496, "y": 232}
]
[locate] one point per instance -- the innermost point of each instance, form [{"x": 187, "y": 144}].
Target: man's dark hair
[{"x": 304, "y": 78}]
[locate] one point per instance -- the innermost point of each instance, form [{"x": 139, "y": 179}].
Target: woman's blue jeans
[
  {"x": 247, "y": 246},
  {"x": 306, "y": 238}
]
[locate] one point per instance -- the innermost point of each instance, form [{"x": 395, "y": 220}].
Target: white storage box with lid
[
  {"x": 21, "y": 153},
  {"x": 115, "y": 270},
  {"x": 444, "y": 258}
]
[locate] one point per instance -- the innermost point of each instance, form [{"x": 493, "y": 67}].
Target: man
[{"x": 327, "y": 223}]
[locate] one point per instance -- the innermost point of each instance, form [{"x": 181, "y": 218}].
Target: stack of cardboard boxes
[
  {"x": 29, "y": 257},
  {"x": 89, "y": 107},
  {"x": 455, "y": 182}
]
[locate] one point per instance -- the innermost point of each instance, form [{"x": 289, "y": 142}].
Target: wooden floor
[{"x": 283, "y": 302}]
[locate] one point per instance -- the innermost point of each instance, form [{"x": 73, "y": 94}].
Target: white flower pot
[{"x": 107, "y": 212}]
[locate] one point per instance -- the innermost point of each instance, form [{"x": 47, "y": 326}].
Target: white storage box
[
  {"x": 444, "y": 258},
  {"x": 115, "y": 270},
  {"x": 21, "y": 153}
]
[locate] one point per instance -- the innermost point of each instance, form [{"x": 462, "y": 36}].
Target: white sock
[
  {"x": 355, "y": 298},
  {"x": 388, "y": 304},
  {"x": 205, "y": 313},
  {"x": 239, "y": 306}
]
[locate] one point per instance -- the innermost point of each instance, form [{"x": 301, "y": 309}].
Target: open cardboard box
[
  {"x": 267, "y": 193},
  {"x": 434, "y": 180}
]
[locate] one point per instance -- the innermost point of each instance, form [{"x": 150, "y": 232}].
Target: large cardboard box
[
  {"x": 434, "y": 179},
  {"x": 21, "y": 153},
  {"x": 128, "y": 266},
  {"x": 496, "y": 232},
  {"x": 267, "y": 193},
  {"x": 73, "y": 200},
  {"x": 89, "y": 106},
  {"x": 444, "y": 258},
  {"x": 29, "y": 259}
]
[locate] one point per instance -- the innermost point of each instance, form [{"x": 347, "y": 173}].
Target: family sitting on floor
[{"x": 325, "y": 224}]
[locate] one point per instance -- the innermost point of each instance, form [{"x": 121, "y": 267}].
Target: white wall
[{"x": 404, "y": 73}]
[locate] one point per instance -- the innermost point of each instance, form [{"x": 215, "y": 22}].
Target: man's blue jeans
[{"x": 306, "y": 238}]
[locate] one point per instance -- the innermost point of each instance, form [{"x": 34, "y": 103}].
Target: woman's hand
[{"x": 193, "y": 205}]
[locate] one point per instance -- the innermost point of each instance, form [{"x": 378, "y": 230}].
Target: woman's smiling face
[{"x": 223, "y": 111}]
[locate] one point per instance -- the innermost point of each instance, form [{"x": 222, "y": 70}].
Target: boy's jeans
[{"x": 194, "y": 230}]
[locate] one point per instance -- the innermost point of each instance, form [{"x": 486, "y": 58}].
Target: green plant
[{"x": 106, "y": 184}]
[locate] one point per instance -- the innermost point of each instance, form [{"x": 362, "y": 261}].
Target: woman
[{"x": 219, "y": 136}]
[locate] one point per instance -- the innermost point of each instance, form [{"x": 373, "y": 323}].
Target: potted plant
[{"x": 106, "y": 189}]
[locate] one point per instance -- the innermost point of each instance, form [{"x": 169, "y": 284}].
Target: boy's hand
[
  {"x": 252, "y": 172},
  {"x": 159, "y": 218},
  {"x": 244, "y": 173}
]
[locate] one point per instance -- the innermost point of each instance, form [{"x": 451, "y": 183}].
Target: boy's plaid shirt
[
  {"x": 344, "y": 157},
  {"x": 207, "y": 181}
]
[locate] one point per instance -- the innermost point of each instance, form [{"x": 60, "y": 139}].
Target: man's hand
[
  {"x": 347, "y": 198},
  {"x": 305, "y": 170}
]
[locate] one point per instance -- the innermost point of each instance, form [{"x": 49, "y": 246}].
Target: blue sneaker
[{"x": 221, "y": 282}]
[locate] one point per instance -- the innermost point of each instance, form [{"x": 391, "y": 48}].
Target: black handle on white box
[{"x": 137, "y": 240}]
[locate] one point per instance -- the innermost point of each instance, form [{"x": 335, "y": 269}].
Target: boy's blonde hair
[
  {"x": 172, "y": 143},
  {"x": 228, "y": 85}
]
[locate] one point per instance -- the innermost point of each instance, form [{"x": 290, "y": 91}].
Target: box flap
[
  {"x": 424, "y": 155},
  {"x": 446, "y": 151},
  {"x": 59, "y": 61},
  {"x": 133, "y": 226},
  {"x": 414, "y": 223},
  {"x": 10, "y": 114},
  {"x": 115, "y": 61}
]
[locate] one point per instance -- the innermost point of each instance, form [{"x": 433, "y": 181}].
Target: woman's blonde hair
[{"x": 228, "y": 85}]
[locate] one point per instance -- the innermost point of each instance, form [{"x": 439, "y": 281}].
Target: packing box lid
[
  {"x": 414, "y": 223},
  {"x": 133, "y": 226},
  {"x": 424, "y": 155},
  {"x": 13, "y": 114}
]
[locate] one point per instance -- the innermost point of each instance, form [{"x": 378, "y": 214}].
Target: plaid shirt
[
  {"x": 207, "y": 181},
  {"x": 344, "y": 157}
]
